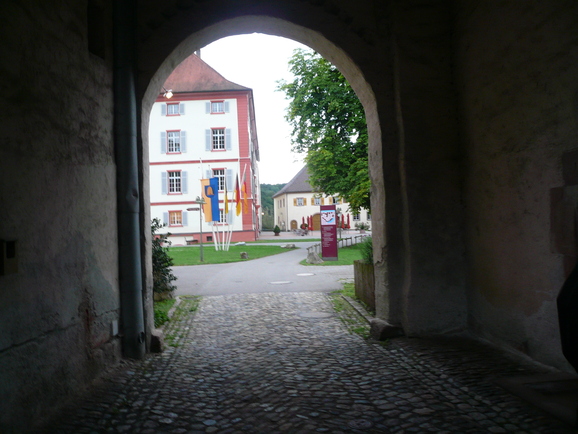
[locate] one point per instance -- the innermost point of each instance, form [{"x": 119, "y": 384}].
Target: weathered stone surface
[
  {"x": 381, "y": 330},
  {"x": 288, "y": 246},
  {"x": 314, "y": 258},
  {"x": 364, "y": 283},
  {"x": 157, "y": 341}
]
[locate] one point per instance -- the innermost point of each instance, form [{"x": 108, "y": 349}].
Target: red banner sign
[{"x": 328, "y": 233}]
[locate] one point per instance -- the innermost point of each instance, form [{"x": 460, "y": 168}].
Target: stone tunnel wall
[
  {"x": 58, "y": 201},
  {"x": 518, "y": 93}
]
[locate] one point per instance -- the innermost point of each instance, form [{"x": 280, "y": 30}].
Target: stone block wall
[
  {"x": 58, "y": 201},
  {"x": 517, "y": 86}
]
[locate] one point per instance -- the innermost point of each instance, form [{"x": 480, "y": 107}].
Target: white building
[
  {"x": 205, "y": 129},
  {"x": 297, "y": 203}
]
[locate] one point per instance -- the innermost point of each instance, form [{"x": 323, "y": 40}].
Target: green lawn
[
  {"x": 190, "y": 255},
  {"x": 284, "y": 240},
  {"x": 345, "y": 256}
]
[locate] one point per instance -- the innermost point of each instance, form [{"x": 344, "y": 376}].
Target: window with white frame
[
  {"x": 220, "y": 173},
  {"x": 299, "y": 201},
  {"x": 317, "y": 201},
  {"x": 173, "y": 141},
  {"x": 355, "y": 217},
  {"x": 175, "y": 218},
  {"x": 173, "y": 109},
  {"x": 175, "y": 184},
  {"x": 218, "y": 139},
  {"x": 368, "y": 216},
  {"x": 217, "y": 106},
  {"x": 222, "y": 216}
]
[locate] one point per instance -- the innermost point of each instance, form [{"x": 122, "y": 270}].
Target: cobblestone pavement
[{"x": 274, "y": 363}]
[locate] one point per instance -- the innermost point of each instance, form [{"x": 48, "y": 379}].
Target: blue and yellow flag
[{"x": 210, "y": 192}]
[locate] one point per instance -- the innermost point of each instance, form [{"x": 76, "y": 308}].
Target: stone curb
[
  {"x": 358, "y": 308},
  {"x": 172, "y": 310}
]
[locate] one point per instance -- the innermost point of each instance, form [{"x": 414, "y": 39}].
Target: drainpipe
[{"x": 128, "y": 194}]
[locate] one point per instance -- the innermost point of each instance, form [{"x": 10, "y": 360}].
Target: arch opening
[{"x": 281, "y": 28}]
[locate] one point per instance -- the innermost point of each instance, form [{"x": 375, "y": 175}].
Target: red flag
[{"x": 237, "y": 197}]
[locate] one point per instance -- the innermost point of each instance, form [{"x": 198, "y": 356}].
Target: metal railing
[{"x": 341, "y": 242}]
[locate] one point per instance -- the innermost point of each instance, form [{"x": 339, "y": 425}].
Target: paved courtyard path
[{"x": 287, "y": 363}]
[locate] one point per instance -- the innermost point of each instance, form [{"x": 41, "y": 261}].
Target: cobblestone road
[{"x": 273, "y": 363}]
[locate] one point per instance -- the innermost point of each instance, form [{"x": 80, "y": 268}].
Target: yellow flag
[{"x": 245, "y": 199}]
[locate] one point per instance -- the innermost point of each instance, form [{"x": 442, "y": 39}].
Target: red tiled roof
[{"x": 194, "y": 75}]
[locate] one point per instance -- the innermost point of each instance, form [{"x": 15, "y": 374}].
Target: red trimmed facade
[{"x": 197, "y": 89}]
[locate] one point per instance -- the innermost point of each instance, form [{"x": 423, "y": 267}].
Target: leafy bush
[
  {"x": 277, "y": 229},
  {"x": 366, "y": 248},
  {"x": 362, "y": 226},
  {"x": 162, "y": 262}
]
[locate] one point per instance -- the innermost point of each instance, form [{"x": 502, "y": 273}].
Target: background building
[
  {"x": 297, "y": 203},
  {"x": 203, "y": 126}
]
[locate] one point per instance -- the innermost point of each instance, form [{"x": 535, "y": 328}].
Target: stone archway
[
  {"x": 307, "y": 36},
  {"x": 418, "y": 231}
]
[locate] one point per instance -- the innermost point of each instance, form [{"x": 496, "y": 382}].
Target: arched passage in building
[
  {"x": 277, "y": 27},
  {"x": 472, "y": 112},
  {"x": 339, "y": 41}
]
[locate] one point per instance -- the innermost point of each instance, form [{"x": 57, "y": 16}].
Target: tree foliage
[
  {"x": 267, "y": 192},
  {"x": 328, "y": 124}
]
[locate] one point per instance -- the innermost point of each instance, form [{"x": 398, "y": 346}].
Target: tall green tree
[
  {"x": 328, "y": 125},
  {"x": 267, "y": 192}
]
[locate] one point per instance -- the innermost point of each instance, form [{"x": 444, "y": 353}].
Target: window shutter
[
  {"x": 294, "y": 201},
  {"x": 322, "y": 201},
  {"x": 182, "y": 108},
  {"x": 163, "y": 142},
  {"x": 207, "y": 140},
  {"x": 229, "y": 179},
  {"x": 208, "y": 108},
  {"x": 166, "y": 218},
  {"x": 183, "y": 141},
  {"x": 163, "y": 109},
  {"x": 185, "y": 218},
  {"x": 164, "y": 183},
  {"x": 304, "y": 201},
  {"x": 184, "y": 186},
  {"x": 226, "y": 106},
  {"x": 228, "y": 143}
]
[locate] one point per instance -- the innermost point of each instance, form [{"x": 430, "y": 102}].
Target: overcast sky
[{"x": 258, "y": 61}]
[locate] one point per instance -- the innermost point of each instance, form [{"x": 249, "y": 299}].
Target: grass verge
[
  {"x": 161, "y": 310},
  {"x": 176, "y": 329},
  {"x": 352, "y": 320},
  {"x": 345, "y": 256},
  {"x": 191, "y": 255}
]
